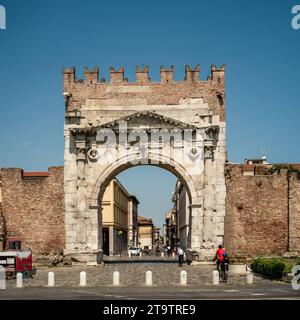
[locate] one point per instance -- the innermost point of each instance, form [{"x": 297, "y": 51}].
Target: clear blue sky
[{"x": 254, "y": 39}]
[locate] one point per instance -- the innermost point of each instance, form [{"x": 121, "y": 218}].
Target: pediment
[
  {"x": 148, "y": 120},
  {"x": 144, "y": 120}
]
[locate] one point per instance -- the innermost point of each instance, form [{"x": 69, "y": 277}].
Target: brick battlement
[
  {"x": 142, "y": 75},
  {"x": 118, "y": 91}
]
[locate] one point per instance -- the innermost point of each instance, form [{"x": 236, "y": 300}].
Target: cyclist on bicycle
[
  {"x": 219, "y": 257},
  {"x": 222, "y": 259}
]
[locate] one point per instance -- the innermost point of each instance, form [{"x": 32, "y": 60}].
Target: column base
[
  {"x": 204, "y": 255},
  {"x": 87, "y": 257}
]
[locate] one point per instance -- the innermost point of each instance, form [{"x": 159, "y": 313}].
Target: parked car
[{"x": 134, "y": 251}]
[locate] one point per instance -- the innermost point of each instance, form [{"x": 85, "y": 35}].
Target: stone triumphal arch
[{"x": 112, "y": 126}]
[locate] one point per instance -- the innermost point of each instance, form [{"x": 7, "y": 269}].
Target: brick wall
[
  {"x": 2, "y": 229},
  {"x": 2, "y": 221},
  {"x": 33, "y": 208},
  {"x": 257, "y": 217},
  {"x": 294, "y": 212}
]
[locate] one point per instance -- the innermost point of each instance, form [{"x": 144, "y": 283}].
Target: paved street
[
  {"x": 132, "y": 284},
  {"x": 131, "y": 275}
]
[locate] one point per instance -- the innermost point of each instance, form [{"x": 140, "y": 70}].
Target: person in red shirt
[{"x": 219, "y": 257}]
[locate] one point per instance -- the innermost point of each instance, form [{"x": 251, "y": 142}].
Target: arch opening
[{"x": 142, "y": 232}]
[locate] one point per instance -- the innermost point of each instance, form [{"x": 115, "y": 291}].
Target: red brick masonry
[
  {"x": 262, "y": 212},
  {"x": 33, "y": 208}
]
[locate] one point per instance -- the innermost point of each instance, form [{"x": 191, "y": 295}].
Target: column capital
[
  {"x": 209, "y": 152},
  {"x": 81, "y": 150},
  {"x": 81, "y": 154}
]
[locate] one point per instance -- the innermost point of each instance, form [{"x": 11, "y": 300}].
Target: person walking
[
  {"x": 169, "y": 250},
  {"x": 180, "y": 256}
]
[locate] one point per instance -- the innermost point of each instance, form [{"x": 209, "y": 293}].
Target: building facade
[
  {"x": 115, "y": 219},
  {"x": 181, "y": 209},
  {"x": 156, "y": 236},
  {"x": 145, "y": 232},
  {"x": 171, "y": 229},
  {"x": 133, "y": 221}
]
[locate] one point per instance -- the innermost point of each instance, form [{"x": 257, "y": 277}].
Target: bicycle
[{"x": 223, "y": 272}]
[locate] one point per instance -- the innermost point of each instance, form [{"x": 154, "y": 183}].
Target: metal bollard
[
  {"x": 249, "y": 278},
  {"x": 141, "y": 254},
  {"x": 19, "y": 280},
  {"x": 82, "y": 280},
  {"x": 215, "y": 277},
  {"x": 51, "y": 279},
  {"x": 183, "y": 278},
  {"x": 129, "y": 254},
  {"x": 148, "y": 278},
  {"x": 162, "y": 254},
  {"x": 116, "y": 278},
  {"x": 2, "y": 278},
  {"x": 173, "y": 254}
]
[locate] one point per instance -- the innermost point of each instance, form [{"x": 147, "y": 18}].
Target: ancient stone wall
[
  {"x": 33, "y": 208},
  {"x": 2, "y": 230},
  {"x": 2, "y": 221},
  {"x": 262, "y": 212},
  {"x": 294, "y": 212}
]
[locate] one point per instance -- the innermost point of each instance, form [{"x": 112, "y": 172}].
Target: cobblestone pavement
[{"x": 133, "y": 275}]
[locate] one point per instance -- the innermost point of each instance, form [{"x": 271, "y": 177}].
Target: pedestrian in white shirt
[{"x": 180, "y": 256}]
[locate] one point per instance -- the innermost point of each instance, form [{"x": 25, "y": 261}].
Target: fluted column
[{"x": 208, "y": 224}]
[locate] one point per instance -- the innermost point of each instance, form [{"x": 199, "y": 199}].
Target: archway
[
  {"x": 115, "y": 168},
  {"x": 139, "y": 210},
  {"x": 109, "y": 232},
  {"x": 187, "y": 113}
]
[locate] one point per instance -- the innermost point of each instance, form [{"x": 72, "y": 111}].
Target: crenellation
[
  {"x": 117, "y": 76},
  {"x": 142, "y": 75},
  {"x": 166, "y": 75},
  {"x": 218, "y": 74},
  {"x": 91, "y": 76},
  {"x": 69, "y": 75},
  {"x": 192, "y": 75}
]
